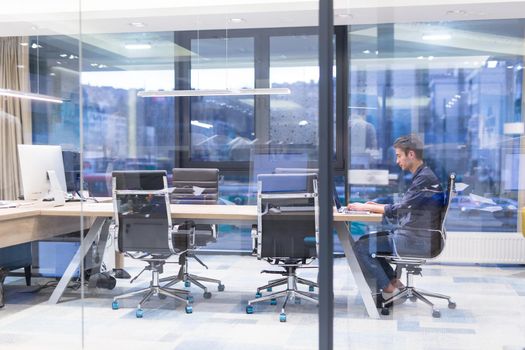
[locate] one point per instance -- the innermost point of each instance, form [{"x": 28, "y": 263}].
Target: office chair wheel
[
  {"x": 258, "y": 295},
  {"x": 297, "y": 300},
  {"x": 436, "y": 313},
  {"x": 139, "y": 313},
  {"x": 189, "y": 309},
  {"x": 207, "y": 295},
  {"x": 451, "y": 305},
  {"x": 269, "y": 289},
  {"x": 114, "y": 305},
  {"x": 385, "y": 311},
  {"x": 311, "y": 288},
  {"x": 249, "y": 309},
  {"x": 187, "y": 284},
  {"x": 189, "y": 298},
  {"x": 282, "y": 317},
  {"x": 220, "y": 288},
  {"x": 273, "y": 302},
  {"x": 413, "y": 299}
]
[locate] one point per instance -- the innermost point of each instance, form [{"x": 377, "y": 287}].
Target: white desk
[{"x": 228, "y": 214}]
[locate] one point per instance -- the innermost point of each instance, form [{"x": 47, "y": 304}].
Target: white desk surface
[{"x": 190, "y": 211}]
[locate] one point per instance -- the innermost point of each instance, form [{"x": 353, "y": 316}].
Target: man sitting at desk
[{"x": 419, "y": 208}]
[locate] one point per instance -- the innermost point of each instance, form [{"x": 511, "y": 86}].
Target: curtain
[{"x": 15, "y": 113}]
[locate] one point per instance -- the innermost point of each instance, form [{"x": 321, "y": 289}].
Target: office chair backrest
[
  {"x": 449, "y": 194},
  {"x": 195, "y": 186},
  {"x": 142, "y": 212},
  {"x": 287, "y": 206}
]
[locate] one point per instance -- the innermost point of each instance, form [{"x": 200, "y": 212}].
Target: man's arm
[{"x": 368, "y": 206}]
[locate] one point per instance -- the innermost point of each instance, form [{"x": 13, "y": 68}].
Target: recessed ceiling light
[
  {"x": 510, "y": 66},
  {"x": 237, "y": 20},
  {"x": 137, "y": 46},
  {"x": 420, "y": 57},
  {"x": 24, "y": 44},
  {"x": 52, "y": 74},
  {"x": 137, "y": 24},
  {"x": 344, "y": 15},
  {"x": 303, "y": 123},
  {"x": 102, "y": 66},
  {"x": 430, "y": 58},
  {"x": 456, "y": 12},
  {"x": 436, "y": 37},
  {"x": 58, "y": 62},
  {"x": 94, "y": 64},
  {"x": 63, "y": 55},
  {"x": 36, "y": 46},
  {"x": 366, "y": 51}
]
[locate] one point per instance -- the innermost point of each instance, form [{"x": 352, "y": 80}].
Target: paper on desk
[
  {"x": 480, "y": 199},
  {"x": 460, "y": 186},
  {"x": 198, "y": 190},
  {"x": 492, "y": 208}
]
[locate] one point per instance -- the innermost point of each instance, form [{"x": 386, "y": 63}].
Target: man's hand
[{"x": 357, "y": 206}]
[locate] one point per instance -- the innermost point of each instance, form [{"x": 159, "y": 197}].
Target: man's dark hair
[{"x": 410, "y": 143}]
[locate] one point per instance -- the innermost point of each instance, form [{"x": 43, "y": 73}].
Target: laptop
[{"x": 343, "y": 209}]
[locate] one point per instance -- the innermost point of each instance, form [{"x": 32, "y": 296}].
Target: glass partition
[{"x": 39, "y": 130}]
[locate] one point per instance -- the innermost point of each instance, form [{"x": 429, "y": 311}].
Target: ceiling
[{"x": 36, "y": 17}]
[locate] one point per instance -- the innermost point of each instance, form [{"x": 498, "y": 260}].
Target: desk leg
[
  {"x": 75, "y": 262},
  {"x": 364, "y": 290}
]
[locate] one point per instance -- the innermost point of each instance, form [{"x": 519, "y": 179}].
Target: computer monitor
[
  {"x": 72, "y": 170},
  {"x": 266, "y": 159},
  {"x": 35, "y": 161}
]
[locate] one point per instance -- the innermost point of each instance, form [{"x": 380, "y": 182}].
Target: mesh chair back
[
  {"x": 142, "y": 212},
  {"x": 287, "y": 209},
  {"x": 195, "y": 186}
]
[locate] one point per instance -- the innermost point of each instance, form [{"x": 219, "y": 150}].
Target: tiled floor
[{"x": 490, "y": 314}]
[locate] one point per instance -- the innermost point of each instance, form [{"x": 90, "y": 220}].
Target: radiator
[{"x": 483, "y": 248}]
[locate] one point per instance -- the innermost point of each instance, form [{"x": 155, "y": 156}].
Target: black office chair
[
  {"x": 287, "y": 234},
  {"x": 142, "y": 223},
  {"x": 412, "y": 263},
  {"x": 195, "y": 186}
]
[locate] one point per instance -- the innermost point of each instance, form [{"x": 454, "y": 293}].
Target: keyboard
[
  {"x": 343, "y": 210},
  {"x": 8, "y": 204}
]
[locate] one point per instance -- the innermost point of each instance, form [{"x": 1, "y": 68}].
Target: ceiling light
[
  {"x": 52, "y": 74},
  {"x": 519, "y": 67},
  {"x": 457, "y": 96},
  {"x": 21, "y": 66},
  {"x": 24, "y": 44},
  {"x": 36, "y": 46},
  {"x": 201, "y": 124},
  {"x": 303, "y": 123},
  {"x": 436, "y": 37},
  {"x": 71, "y": 57},
  {"x": 430, "y": 58},
  {"x": 29, "y": 95},
  {"x": 510, "y": 66},
  {"x": 63, "y": 55},
  {"x": 420, "y": 57},
  {"x": 137, "y": 46},
  {"x": 492, "y": 64},
  {"x": 237, "y": 20},
  {"x": 94, "y": 64},
  {"x": 214, "y": 92},
  {"x": 102, "y": 66},
  {"x": 366, "y": 51},
  {"x": 137, "y": 24},
  {"x": 344, "y": 15},
  {"x": 457, "y": 12}
]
